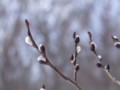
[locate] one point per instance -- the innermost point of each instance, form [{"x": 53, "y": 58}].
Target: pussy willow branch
[
  {"x": 105, "y": 69},
  {"x": 112, "y": 78},
  {"x": 64, "y": 77},
  {"x": 76, "y": 52},
  {"x": 60, "y": 74},
  {"x": 108, "y": 73},
  {"x": 48, "y": 61}
]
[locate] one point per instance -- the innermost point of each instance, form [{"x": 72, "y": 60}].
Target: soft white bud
[
  {"x": 41, "y": 58},
  {"x": 40, "y": 45},
  {"x": 28, "y": 41},
  {"x": 77, "y": 36},
  {"x": 94, "y": 45},
  {"x": 99, "y": 57},
  {"x": 115, "y": 37},
  {"x": 78, "y": 48},
  {"x": 116, "y": 43},
  {"x": 42, "y": 88}
]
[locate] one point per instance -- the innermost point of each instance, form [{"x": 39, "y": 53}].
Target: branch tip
[{"x": 74, "y": 35}]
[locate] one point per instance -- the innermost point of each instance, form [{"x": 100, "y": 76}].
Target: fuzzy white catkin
[
  {"x": 115, "y": 37},
  {"x": 94, "y": 44},
  {"x": 28, "y": 41},
  {"x": 77, "y": 36},
  {"x": 42, "y": 89},
  {"x": 116, "y": 43},
  {"x": 99, "y": 57},
  {"x": 40, "y": 46},
  {"x": 41, "y": 58},
  {"x": 78, "y": 49}
]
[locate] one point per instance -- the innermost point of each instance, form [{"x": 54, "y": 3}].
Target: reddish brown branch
[
  {"x": 44, "y": 60},
  {"x": 64, "y": 77},
  {"x": 30, "y": 35}
]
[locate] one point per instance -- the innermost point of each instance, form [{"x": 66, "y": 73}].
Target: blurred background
[{"x": 52, "y": 23}]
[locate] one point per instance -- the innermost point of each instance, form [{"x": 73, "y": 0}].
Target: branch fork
[
  {"x": 45, "y": 61},
  {"x": 106, "y": 67}
]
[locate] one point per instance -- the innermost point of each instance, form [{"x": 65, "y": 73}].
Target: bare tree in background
[{"x": 52, "y": 23}]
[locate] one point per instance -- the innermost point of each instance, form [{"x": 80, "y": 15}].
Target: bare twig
[
  {"x": 44, "y": 60},
  {"x": 106, "y": 68},
  {"x": 112, "y": 78},
  {"x": 64, "y": 77},
  {"x": 75, "y": 75},
  {"x": 74, "y": 56}
]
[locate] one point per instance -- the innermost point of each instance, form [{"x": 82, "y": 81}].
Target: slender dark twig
[
  {"x": 30, "y": 35},
  {"x": 77, "y": 50},
  {"x": 75, "y": 75},
  {"x": 44, "y": 60},
  {"x": 106, "y": 68},
  {"x": 64, "y": 77}
]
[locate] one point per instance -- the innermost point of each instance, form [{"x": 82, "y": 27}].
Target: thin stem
[
  {"x": 75, "y": 75},
  {"x": 60, "y": 74},
  {"x": 108, "y": 73},
  {"x": 64, "y": 77},
  {"x": 48, "y": 62},
  {"x": 112, "y": 78},
  {"x": 30, "y": 35},
  {"x": 75, "y": 72},
  {"x": 105, "y": 69},
  {"x": 75, "y": 54}
]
